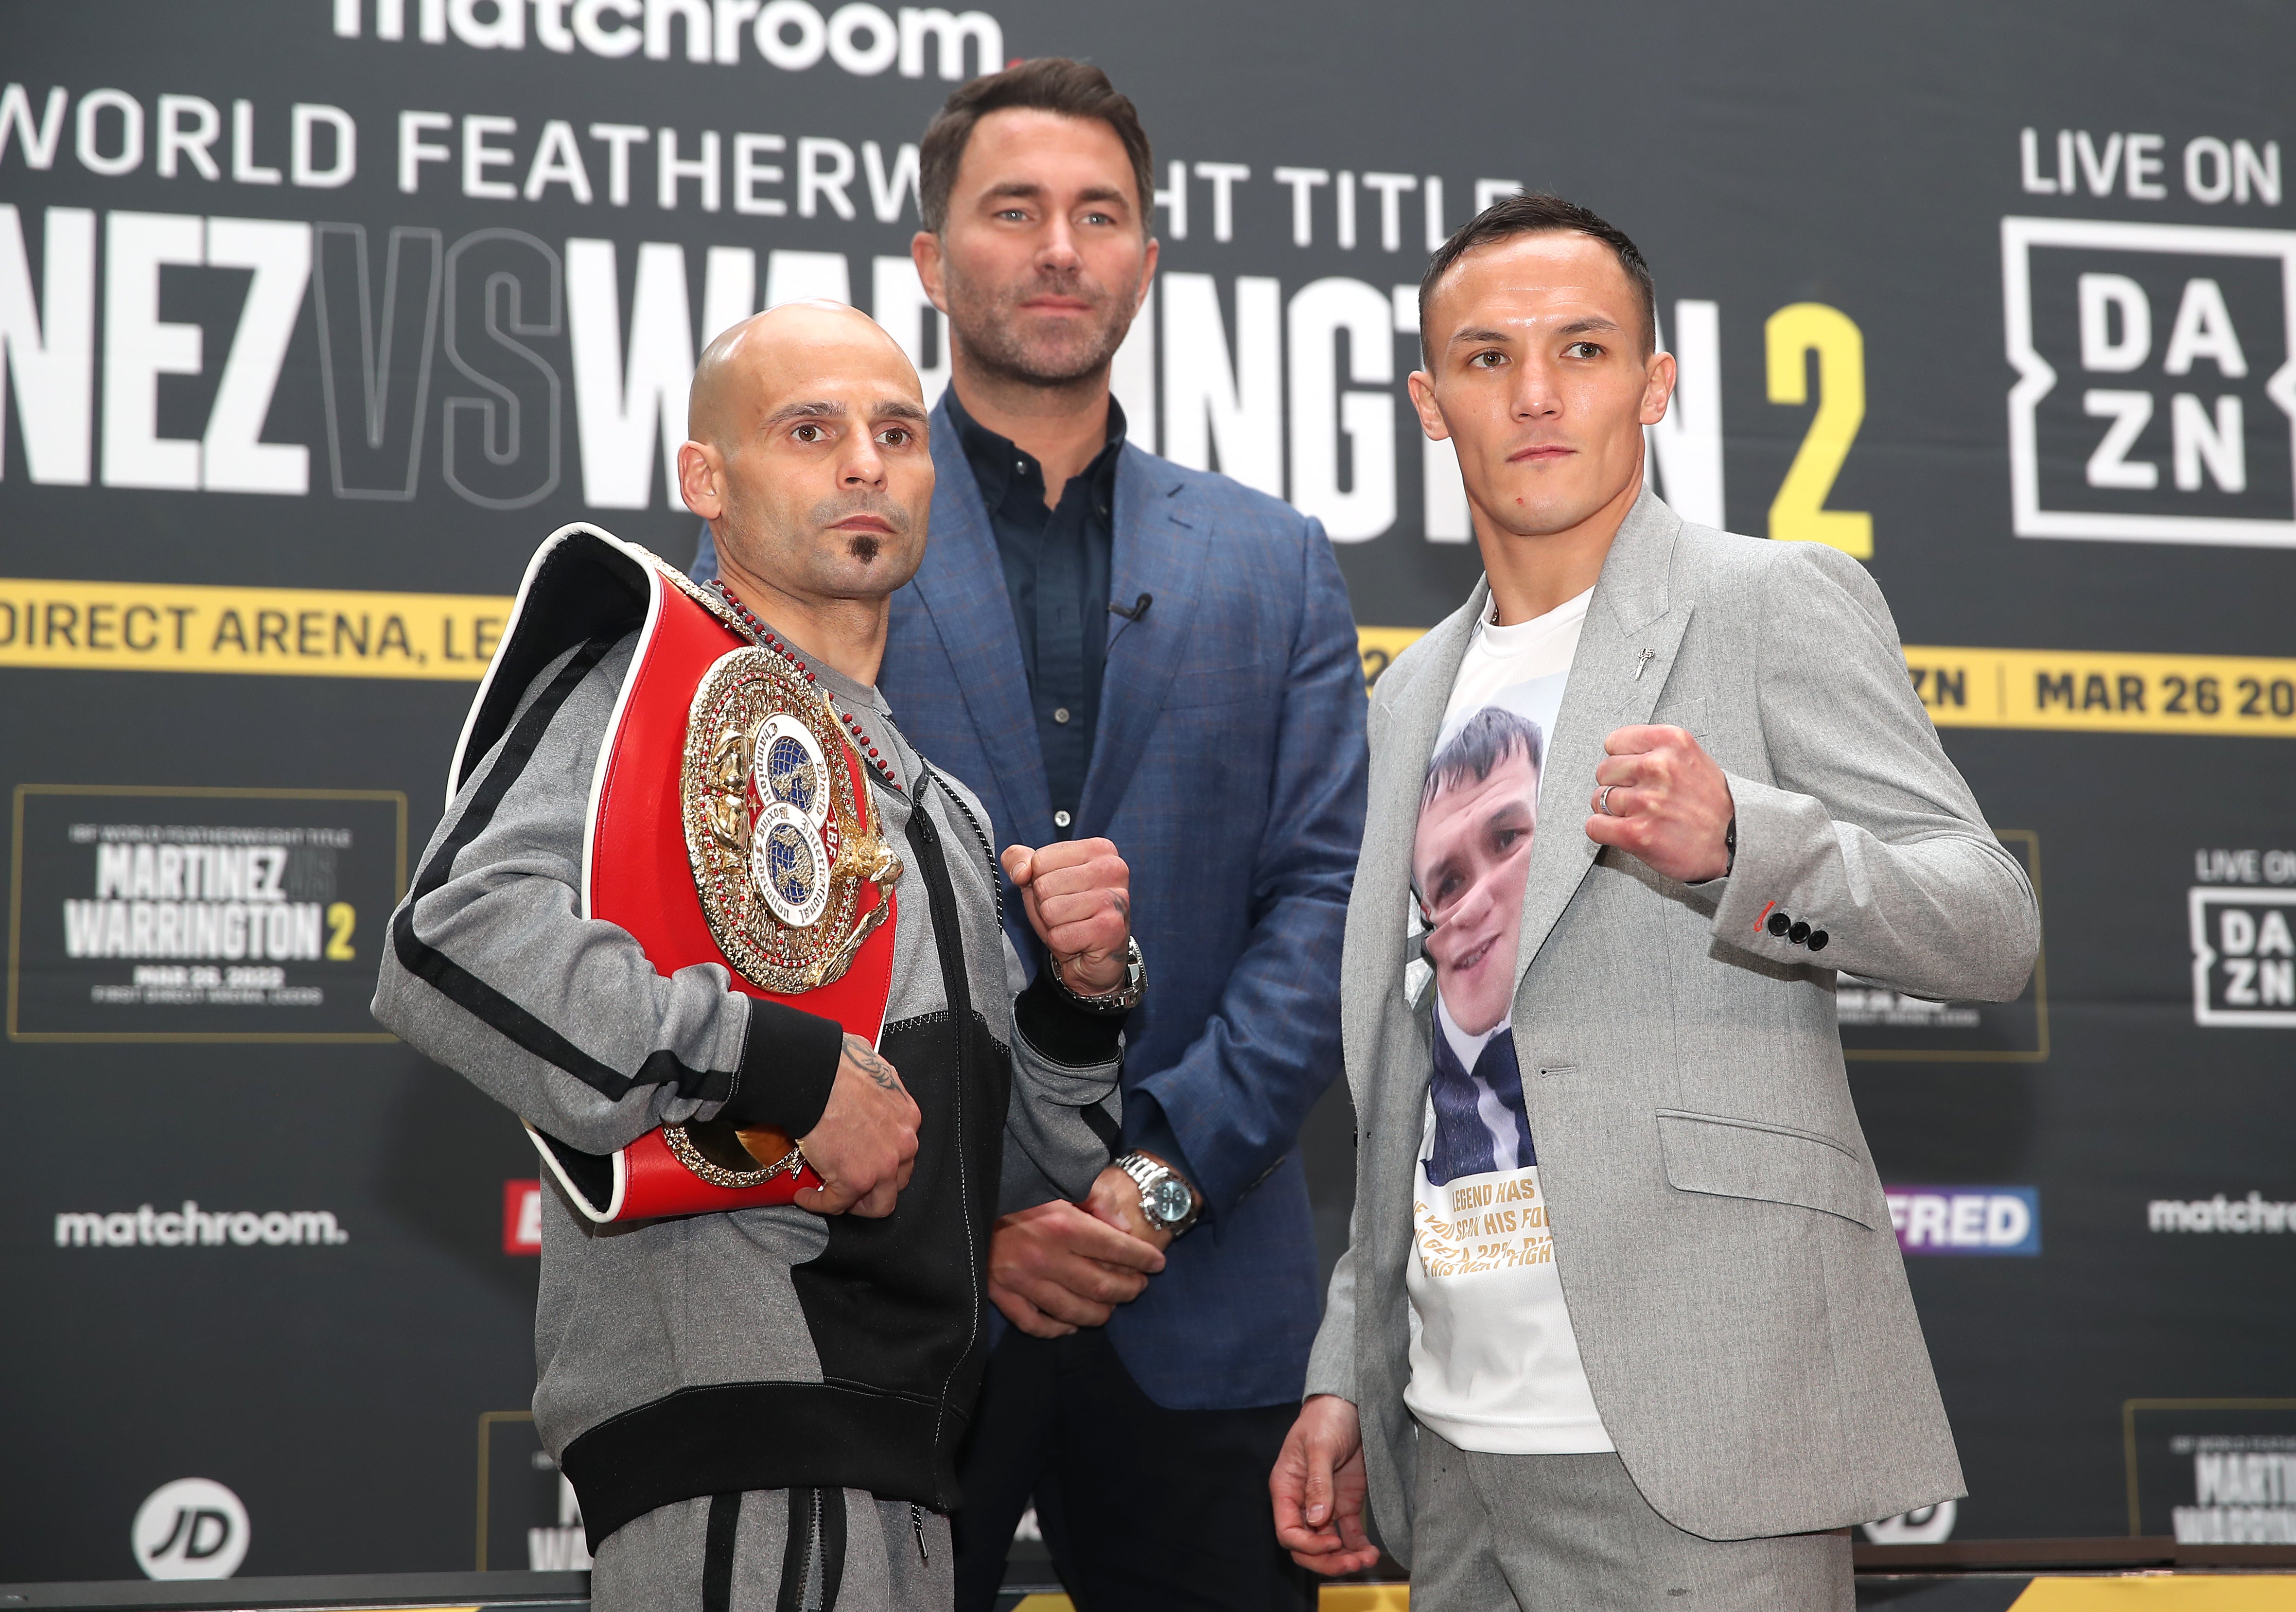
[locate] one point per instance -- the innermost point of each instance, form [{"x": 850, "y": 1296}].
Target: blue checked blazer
[{"x": 1228, "y": 768}]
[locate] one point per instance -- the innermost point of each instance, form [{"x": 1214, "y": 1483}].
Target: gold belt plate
[{"x": 780, "y": 840}]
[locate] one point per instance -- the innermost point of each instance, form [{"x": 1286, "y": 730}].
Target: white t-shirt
[{"x": 1495, "y": 1365}]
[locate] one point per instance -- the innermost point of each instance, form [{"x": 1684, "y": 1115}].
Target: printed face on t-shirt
[{"x": 1469, "y": 862}]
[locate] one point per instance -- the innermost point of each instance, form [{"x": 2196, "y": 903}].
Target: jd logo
[
  {"x": 190, "y": 1528},
  {"x": 2156, "y": 394},
  {"x": 1928, "y": 1526}
]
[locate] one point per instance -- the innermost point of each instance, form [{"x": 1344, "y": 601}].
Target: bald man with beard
[{"x": 761, "y": 1406}]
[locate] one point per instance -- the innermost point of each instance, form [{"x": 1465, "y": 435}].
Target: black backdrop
[{"x": 298, "y": 378}]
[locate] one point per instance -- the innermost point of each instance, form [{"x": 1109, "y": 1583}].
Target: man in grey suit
[{"x": 1623, "y": 1323}]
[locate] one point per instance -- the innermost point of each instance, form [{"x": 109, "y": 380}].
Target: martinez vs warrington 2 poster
[{"x": 318, "y": 314}]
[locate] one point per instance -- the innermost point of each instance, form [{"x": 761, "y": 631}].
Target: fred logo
[
  {"x": 2244, "y": 957},
  {"x": 1966, "y": 1220},
  {"x": 2156, "y": 396}
]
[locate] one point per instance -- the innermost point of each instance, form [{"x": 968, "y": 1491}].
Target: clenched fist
[
  {"x": 1078, "y": 894},
  {"x": 1667, "y": 802}
]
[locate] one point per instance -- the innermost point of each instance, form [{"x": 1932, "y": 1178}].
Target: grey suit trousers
[{"x": 1572, "y": 1533}]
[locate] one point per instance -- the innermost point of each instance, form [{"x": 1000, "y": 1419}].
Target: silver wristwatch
[
  {"x": 1166, "y": 1197},
  {"x": 1121, "y": 1000}
]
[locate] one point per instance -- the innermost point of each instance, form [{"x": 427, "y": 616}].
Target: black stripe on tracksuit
[
  {"x": 893, "y": 1305},
  {"x": 717, "y": 1553},
  {"x": 465, "y": 989},
  {"x": 814, "y": 1518},
  {"x": 804, "y": 1044}
]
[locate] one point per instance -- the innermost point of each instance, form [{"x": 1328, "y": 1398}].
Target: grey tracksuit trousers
[{"x": 852, "y": 1552}]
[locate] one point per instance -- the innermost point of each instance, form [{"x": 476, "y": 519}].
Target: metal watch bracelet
[
  {"x": 1121, "y": 1000},
  {"x": 1148, "y": 1172}
]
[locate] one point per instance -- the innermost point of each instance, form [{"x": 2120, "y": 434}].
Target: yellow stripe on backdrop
[
  {"x": 131, "y": 627},
  {"x": 345, "y": 632},
  {"x": 2065, "y": 691},
  {"x": 2224, "y": 695},
  {"x": 2162, "y": 1593},
  {"x": 1382, "y": 645},
  {"x": 1364, "y": 1597}
]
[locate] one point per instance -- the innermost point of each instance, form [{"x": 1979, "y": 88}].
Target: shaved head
[
  {"x": 749, "y": 357},
  {"x": 807, "y": 455}
]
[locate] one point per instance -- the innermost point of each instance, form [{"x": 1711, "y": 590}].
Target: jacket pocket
[{"x": 1776, "y": 1164}]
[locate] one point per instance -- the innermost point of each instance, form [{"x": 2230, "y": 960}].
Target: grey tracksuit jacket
[{"x": 762, "y": 1349}]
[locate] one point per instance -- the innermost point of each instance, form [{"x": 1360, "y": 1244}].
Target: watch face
[{"x": 1169, "y": 1201}]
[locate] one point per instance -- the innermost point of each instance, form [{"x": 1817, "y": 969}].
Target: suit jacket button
[
  {"x": 1779, "y": 924},
  {"x": 1817, "y": 939},
  {"x": 1799, "y": 933}
]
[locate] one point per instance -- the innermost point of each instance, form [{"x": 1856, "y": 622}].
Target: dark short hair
[
  {"x": 1538, "y": 214},
  {"x": 1486, "y": 739},
  {"x": 1050, "y": 84}
]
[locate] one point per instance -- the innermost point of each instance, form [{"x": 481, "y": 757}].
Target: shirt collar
[
  {"x": 996, "y": 460},
  {"x": 1466, "y": 1048}
]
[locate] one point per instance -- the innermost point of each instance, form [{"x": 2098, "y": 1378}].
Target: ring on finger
[{"x": 1602, "y": 800}]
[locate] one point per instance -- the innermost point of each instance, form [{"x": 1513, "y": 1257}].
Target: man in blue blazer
[{"x": 1101, "y": 643}]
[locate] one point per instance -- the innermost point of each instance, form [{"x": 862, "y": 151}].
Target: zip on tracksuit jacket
[{"x": 762, "y": 1349}]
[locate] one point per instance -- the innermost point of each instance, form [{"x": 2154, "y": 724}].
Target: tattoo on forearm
[{"x": 865, "y": 1057}]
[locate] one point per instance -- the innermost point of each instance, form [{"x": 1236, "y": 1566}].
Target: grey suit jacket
[{"x": 1719, "y": 1230}]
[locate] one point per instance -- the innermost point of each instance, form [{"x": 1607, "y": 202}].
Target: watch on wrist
[
  {"x": 1121, "y": 1000},
  {"x": 1170, "y": 1203}
]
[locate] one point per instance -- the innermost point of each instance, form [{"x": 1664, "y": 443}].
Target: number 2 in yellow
[
  {"x": 342, "y": 919},
  {"x": 1798, "y": 514}
]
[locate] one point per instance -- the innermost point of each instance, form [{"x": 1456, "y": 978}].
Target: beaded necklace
[{"x": 764, "y": 638}]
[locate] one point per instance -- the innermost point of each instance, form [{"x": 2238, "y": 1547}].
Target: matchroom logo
[
  {"x": 2243, "y": 958},
  {"x": 193, "y": 1227},
  {"x": 2156, "y": 393}
]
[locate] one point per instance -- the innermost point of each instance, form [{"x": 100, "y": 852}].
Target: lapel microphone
[{"x": 1131, "y": 613}]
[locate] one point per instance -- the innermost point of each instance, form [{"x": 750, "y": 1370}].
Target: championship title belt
[
  {"x": 731, "y": 822},
  {"x": 782, "y": 841}
]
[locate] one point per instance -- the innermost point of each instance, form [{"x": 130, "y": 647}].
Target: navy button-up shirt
[{"x": 1057, "y": 562}]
